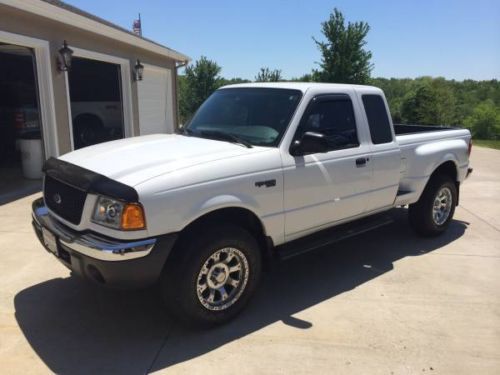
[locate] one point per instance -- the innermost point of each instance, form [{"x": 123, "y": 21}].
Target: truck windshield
[{"x": 258, "y": 116}]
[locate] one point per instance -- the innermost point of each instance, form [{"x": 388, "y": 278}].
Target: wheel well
[
  {"x": 235, "y": 216},
  {"x": 449, "y": 169},
  {"x": 87, "y": 119}
]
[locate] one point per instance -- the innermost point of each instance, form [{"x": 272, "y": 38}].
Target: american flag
[{"x": 136, "y": 27}]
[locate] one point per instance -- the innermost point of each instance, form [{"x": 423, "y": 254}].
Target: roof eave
[{"x": 67, "y": 17}]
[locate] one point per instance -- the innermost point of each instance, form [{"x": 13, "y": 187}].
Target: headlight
[{"x": 119, "y": 215}]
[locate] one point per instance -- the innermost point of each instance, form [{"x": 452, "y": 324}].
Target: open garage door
[
  {"x": 156, "y": 113},
  {"x": 96, "y": 102},
  {"x": 21, "y": 146}
]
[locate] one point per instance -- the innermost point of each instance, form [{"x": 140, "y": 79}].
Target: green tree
[
  {"x": 344, "y": 58},
  {"x": 183, "y": 99},
  {"x": 428, "y": 104},
  {"x": 201, "y": 79},
  {"x": 455, "y": 100},
  {"x": 268, "y": 75},
  {"x": 233, "y": 81},
  {"x": 304, "y": 78},
  {"x": 484, "y": 121},
  {"x": 420, "y": 106}
]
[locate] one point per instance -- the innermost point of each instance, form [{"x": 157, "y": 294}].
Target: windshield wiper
[
  {"x": 184, "y": 131},
  {"x": 224, "y": 137}
]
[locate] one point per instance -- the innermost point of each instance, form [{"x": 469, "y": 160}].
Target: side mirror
[{"x": 310, "y": 143}]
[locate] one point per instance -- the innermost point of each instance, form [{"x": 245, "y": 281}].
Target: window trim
[{"x": 325, "y": 98}]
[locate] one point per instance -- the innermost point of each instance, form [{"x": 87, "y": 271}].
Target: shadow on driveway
[{"x": 75, "y": 327}]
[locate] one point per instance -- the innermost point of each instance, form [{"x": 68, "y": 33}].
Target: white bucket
[{"x": 32, "y": 157}]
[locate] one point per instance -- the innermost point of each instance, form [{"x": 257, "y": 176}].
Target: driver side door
[{"x": 324, "y": 188}]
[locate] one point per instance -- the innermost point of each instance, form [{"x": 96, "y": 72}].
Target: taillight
[{"x": 470, "y": 147}]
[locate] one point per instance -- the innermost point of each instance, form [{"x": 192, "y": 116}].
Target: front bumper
[{"x": 116, "y": 263}]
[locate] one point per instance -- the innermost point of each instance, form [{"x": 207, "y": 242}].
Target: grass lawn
[{"x": 486, "y": 143}]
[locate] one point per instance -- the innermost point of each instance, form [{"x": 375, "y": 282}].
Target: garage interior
[
  {"x": 96, "y": 102},
  {"x": 96, "y": 110},
  {"x": 21, "y": 146}
]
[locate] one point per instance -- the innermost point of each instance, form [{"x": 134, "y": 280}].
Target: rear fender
[{"x": 429, "y": 157}]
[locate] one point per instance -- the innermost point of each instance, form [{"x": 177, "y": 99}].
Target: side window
[
  {"x": 332, "y": 116},
  {"x": 378, "y": 120}
]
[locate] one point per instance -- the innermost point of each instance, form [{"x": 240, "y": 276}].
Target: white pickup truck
[{"x": 262, "y": 170}]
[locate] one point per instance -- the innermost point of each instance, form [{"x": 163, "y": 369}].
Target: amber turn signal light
[{"x": 133, "y": 217}]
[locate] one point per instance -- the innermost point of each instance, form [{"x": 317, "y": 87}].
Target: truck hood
[{"x": 138, "y": 159}]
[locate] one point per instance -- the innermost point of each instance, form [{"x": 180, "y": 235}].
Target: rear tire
[
  {"x": 212, "y": 275},
  {"x": 431, "y": 215},
  {"x": 89, "y": 130}
]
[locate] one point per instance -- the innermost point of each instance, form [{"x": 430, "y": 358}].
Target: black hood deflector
[{"x": 89, "y": 181}]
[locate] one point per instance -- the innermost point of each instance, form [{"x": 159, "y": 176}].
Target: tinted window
[
  {"x": 332, "y": 116},
  {"x": 260, "y": 116},
  {"x": 378, "y": 121}
]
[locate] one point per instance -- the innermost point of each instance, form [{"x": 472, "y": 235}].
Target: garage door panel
[{"x": 155, "y": 101}]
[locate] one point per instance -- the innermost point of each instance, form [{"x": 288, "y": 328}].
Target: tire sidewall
[
  {"x": 197, "y": 251},
  {"x": 437, "y": 185}
]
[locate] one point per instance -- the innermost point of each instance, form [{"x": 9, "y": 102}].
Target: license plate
[{"x": 50, "y": 241}]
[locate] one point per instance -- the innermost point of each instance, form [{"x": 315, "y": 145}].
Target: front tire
[
  {"x": 431, "y": 215},
  {"x": 212, "y": 275}
]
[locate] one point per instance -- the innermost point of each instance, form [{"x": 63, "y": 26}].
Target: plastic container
[{"x": 32, "y": 158}]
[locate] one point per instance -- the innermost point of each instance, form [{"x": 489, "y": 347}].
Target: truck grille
[{"x": 65, "y": 200}]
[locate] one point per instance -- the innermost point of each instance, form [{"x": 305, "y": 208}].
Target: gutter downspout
[
  {"x": 177, "y": 67},
  {"x": 182, "y": 64}
]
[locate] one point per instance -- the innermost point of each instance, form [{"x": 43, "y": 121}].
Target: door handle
[{"x": 361, "y": 162}]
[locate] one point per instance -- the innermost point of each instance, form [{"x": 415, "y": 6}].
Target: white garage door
[{"x": 155, "y": 101}]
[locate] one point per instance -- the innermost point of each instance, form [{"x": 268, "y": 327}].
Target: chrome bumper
[{"x": 89, "y": 244}]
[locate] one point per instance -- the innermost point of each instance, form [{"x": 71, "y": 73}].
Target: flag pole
[{"x": 140, "y": 25}]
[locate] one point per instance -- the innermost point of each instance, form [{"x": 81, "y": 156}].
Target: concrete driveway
[{"x": 386, "y": 302}]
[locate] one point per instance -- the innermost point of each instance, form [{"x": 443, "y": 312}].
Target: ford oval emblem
[{"x": 57, "y": 198}]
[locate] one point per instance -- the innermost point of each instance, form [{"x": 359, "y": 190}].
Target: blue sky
[{"x": 456, "y": 39}]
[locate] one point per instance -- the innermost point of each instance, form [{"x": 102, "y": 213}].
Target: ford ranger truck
[{"x": 261, "y": 170}]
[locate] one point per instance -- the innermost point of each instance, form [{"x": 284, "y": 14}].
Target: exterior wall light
[
  {"x": 64, "y": 58},
  {"x": 138, "y": 70}
]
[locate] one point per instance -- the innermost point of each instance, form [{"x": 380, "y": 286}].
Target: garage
[
  {"x": 70, "y": 79},
  {"x": 21, "y": 150}
]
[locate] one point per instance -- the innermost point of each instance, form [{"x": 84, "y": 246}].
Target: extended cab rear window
[{"x": 378, "y": 120}]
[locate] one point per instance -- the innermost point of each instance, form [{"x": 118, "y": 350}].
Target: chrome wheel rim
[
  {"x": 442, "y": 206},
  {"x": 88, "y": 137},
  {"x": 222, "y": 279}
]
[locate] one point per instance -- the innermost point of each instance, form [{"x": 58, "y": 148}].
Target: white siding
[{"x": 155, "y": 101}]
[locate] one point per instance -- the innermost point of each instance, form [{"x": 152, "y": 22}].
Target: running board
[{"x": 331, "y": 235}]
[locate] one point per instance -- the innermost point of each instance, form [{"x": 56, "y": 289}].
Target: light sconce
[
  {"x": 64, "y": 58},
  {"x": 138, "y": 70}
]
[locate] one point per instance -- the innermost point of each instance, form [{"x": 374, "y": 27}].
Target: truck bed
[
  {"x": 417, "y": 134},
  {"x": 421, "y": 148},
  {"x": 401, "y": 129}
]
